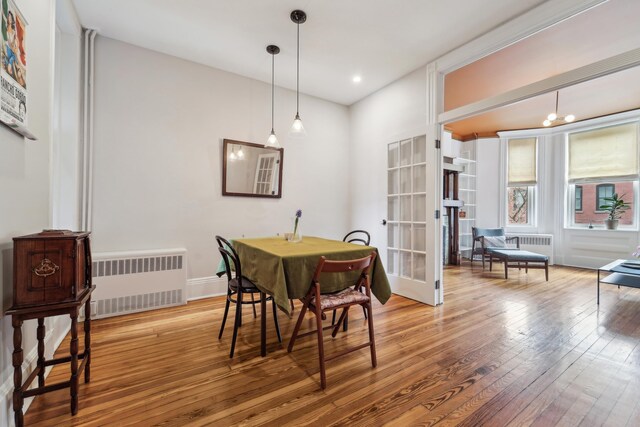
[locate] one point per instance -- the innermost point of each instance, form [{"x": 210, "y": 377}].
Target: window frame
[
  {"x": 532, "y": 211},
  {"x": 600, "y": 187},
  {"x": 575, "y": 198}
]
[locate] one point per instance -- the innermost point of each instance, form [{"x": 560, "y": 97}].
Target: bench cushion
[{"x": 519, "y": 255}]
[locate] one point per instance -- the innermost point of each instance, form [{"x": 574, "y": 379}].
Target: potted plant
[{"x": 615, "y": 206}]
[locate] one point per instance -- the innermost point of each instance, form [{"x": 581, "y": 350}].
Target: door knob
[{"x": 384, "y": 222}]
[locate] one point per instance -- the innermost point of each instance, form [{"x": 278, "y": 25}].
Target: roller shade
[
  {"x": 522, "y": 162},
  {"x": 610, "y": 152}
]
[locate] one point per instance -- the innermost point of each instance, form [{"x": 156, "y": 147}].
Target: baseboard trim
[{"x": 206, "y": 287}]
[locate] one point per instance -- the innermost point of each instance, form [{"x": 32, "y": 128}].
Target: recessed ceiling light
[{"x": 357, "y": 79}]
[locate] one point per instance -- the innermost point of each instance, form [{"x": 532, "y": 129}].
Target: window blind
[
  {"x": 522, "y": 162},
  {"x": 610, "y": 152}
]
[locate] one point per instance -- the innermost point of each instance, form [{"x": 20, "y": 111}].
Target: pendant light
[
  {"x": 297, "y": 129},
  {"x": 273, "y": 50},
  {"x": 553, "y": 118}
]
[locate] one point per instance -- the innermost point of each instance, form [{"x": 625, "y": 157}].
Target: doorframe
[{"x": 517, "y": 29}]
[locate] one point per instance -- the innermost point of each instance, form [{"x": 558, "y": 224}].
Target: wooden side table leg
[
  {"x": 74, "y": 362},
  {"x": 41, "y": 334},
  {"x": 17, "y": 371},
  {"x": 87, "y": 340}
]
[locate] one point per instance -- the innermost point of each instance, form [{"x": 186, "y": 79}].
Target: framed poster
[{"x": 13, "y": 67}]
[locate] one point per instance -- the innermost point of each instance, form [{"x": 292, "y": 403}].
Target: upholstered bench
[{"x": 519, "y": 259}]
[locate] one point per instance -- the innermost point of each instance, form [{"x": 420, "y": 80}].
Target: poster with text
[{"x": 13, "y": 70}]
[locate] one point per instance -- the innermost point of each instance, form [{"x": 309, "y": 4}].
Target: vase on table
[{"x": 296, "y": 236}]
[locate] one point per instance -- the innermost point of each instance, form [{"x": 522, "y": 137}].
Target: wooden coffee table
[{"x": 620, "y": 274}]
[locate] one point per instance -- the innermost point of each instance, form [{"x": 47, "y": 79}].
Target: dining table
[{"x": 284, "y": 270}]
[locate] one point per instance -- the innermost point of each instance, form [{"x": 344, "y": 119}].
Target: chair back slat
[
  {"x": 230, "y": 257},
  {"x": 358, "y": 236},
  {"x": 361, "y": 265}
]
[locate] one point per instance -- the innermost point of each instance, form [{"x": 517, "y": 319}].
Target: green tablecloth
[{"x": 284, "y": 269}]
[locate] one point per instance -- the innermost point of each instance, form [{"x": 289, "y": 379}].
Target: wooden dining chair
[
  {"x": 238, "y": 286},
  {"x": 317, "y": 303},
  {"x": 355, "y": 236}
]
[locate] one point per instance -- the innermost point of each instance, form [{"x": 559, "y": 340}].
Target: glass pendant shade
[
  {"x": 272, "y": 141},
  {"x": 552, "y": 116},
  {"x": 546, "y": 123},
  {"x": 240, "y": 154},
  {"x": 569, "y": 118},
  {"x": 297, "y": 128}
]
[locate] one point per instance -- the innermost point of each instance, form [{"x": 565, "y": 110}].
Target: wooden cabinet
[{"x": 50, "y": 267}]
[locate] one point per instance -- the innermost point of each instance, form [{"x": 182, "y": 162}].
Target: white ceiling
[{"x": 381, "y": 40}]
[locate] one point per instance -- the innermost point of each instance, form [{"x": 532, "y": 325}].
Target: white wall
[
  {"x": 24, "y": 188},
  {"x": 488, "y": 183},
  {"x": 159, "y": 125},
  {"x": 394, "y": 112}
]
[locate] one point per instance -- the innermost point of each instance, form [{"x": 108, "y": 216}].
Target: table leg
[
  {"x": 263, "y": 324},
  {"x": 40, "y": 334},
  {"x": 506, "y": 268},
  {"x": 598, "y": 287},
  {"x": 17, "y": 371},
  {"x": 87, "y": 340},
  {"x": 74, "y": 362}
]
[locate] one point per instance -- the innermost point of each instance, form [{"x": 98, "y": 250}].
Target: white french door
[{"x": 407, "y": 218}]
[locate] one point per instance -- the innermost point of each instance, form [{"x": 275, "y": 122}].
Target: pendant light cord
[
  {"x": 557, "y": 97},
  {"x": 273, "y": 60},
  {"x": 298, "y": 73}
]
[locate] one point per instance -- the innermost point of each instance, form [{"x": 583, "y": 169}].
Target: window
[
  {"x": 578, "y": 198},
  {"x": 603, "y": 191},
  {"x": 602, "y": 162},
  {"x": 521, "y": 181}
]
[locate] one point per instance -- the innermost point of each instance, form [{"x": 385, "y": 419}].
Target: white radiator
[
  {"x": 538, "y": 243},
  {"x": 128, "y": 282}
]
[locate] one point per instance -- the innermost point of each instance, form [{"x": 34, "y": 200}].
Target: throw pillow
[{"x": 495, "y": 242}]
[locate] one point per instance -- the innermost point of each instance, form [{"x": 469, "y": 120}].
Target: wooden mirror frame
[{"x": 225, "y": 155}]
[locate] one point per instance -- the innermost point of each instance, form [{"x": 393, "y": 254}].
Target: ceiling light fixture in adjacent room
[
  {"x": 297, "y": 129},
  {"x": 554, "y": 119},
  {"x": 357, "y": 79},
  {"x": 273, "y": 50}
]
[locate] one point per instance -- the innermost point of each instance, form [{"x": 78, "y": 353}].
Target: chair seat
[
  {"x": 519, "y": 255},
  {"x": 347, "y": 296},
  {"x": 247, "y": 285}
]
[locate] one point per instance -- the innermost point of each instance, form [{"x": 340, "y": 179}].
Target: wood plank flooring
[{"x": 498, "y": 352}]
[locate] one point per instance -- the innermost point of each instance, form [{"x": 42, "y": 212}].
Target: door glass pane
[
  {"x": 405, "y": 180},
  {"x": 419, "y": 262},
  {"x": 405, "y": 208},
  {"x": 405, "y": 236},
  {"x": 420, "y": 208},
  {"x": 393, "y": 209},
  {"x": 420, "y": 149},
  {"x": 405, "y": 264},
  {"x": 392, "y": 155},
  {"x": 392, "y": 181},
  {"x": 405, "y": 152},
  {"x": 419, "y": 238},
  {"x": 419, "y": 179},
  {"x": 393, "y": 239},
  {"x": 392, "y": 262}
]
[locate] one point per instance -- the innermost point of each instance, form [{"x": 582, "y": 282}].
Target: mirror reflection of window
[{"x": 251, "y": 170}]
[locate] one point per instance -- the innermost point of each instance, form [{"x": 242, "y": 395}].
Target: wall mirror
[{"x": 251, "y": 170}]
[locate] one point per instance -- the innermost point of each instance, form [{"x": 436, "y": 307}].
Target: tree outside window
[{"x": 518, "y": 205}]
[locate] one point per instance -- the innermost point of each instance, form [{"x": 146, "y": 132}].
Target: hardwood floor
[{"x": 498, "y": 352}]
